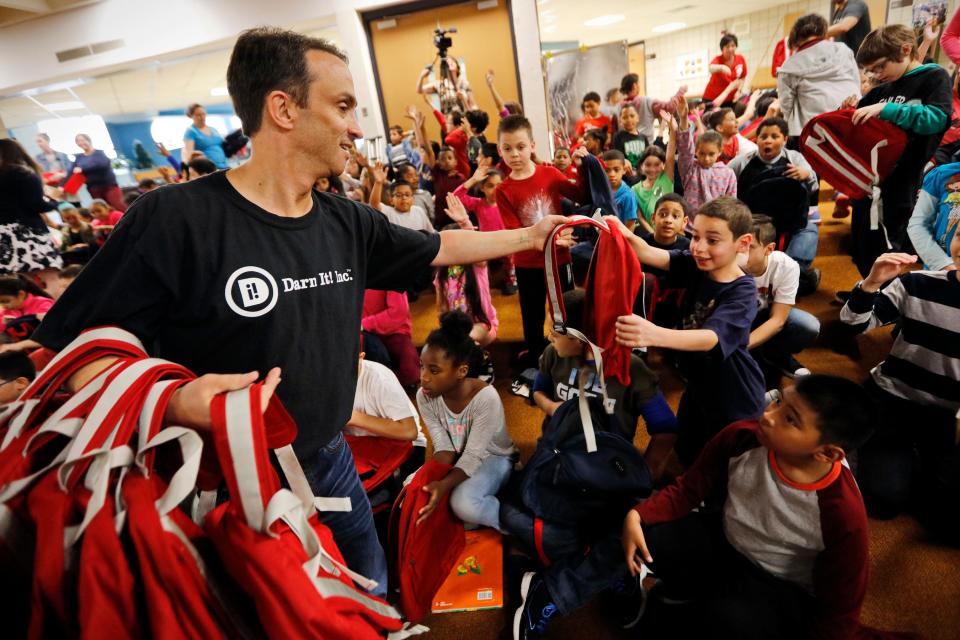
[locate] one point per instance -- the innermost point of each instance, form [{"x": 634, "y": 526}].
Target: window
[
  {"x": 63, "y": 133},
  {"x": 169, "y": 129}
]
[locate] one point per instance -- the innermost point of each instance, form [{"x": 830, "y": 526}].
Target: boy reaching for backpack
[
  {"x": 725, "y": 383},
  {"x": 566, "y": 357},
  {"x": 787, "y": 555}
]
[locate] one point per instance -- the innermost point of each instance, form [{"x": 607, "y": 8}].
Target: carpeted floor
[{"x": 914, "y": 584}]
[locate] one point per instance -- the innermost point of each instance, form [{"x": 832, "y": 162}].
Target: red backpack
[
  {"x": 854, "y": 158},
  {"x": 377, "y": 458},
  {"x": 425, "y": 554}
]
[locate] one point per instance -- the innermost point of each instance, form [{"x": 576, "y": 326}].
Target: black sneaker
[
  {"x": 508, "y": 289},
  {"x": 842, "y": 297},
  {"x": 535, "y": 610},
  {"x": 809, "y": 281},
  {"x": 794, "y": 369},
  {"x": 630, "y": 602}
]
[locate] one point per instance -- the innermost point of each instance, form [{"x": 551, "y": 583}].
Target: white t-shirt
[
  {"x": 416, "y": 219},
  {"x": 380, "y": 395},
  {"x": 779, "y": 282}
]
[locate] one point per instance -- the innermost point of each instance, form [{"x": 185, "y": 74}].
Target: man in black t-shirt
[
  {"x": 251, "y": 270},
  {"x": 849, "y": 23}
]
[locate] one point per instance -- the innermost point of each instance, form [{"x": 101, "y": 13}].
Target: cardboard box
[{"x": 476, "y": 582}]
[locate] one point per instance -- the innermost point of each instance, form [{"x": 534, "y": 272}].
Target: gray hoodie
[{"x": 816, "y": 80}]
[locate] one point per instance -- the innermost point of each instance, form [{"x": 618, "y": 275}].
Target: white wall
[{"x": 765, "y": 29}]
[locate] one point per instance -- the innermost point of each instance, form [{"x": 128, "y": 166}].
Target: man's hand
[
  {"x": 436, "y": 490},
  {"x": 797, "y": 173},
  {"x": 863, "y": 114},
  {"x": 634, "y": 331},
  {"x": 190, "y": 405},
  {"x": 634, "y": 544},
  {"x": 542, "y": 230},
  {"x": 887, "y": 267}
]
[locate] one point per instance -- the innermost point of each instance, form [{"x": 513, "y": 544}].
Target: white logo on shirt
[{"x": 251, "y": 292}]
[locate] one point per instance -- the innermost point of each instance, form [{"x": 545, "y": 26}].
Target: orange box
[{"x": 476, "y": 582}]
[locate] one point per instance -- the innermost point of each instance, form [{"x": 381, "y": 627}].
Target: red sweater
[
  {"x": 457, "y": 140},
  {"x": 386, "y": 312},
  {"x": 523, "y": 203},
  {"x": 814, "y": 535}
]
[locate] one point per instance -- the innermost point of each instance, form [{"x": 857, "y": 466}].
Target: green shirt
[{"x": 647, "y": 198}]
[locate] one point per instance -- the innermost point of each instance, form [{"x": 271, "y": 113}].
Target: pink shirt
[
  {"x": 386, "y": 312},
  {"x": 32, "y": 305},
  {"x": 453, "y": 296},
  {"x": 488, "y": 215},
  {"x": 112, "y": 219},
  {"x": 950, "y": 40}
]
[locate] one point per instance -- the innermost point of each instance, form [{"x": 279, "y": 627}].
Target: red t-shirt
[
  {"x": 718, "y": 81},
  {"x": 112, "y": 219},
  {"x": 457, "y": 140},
  {"x": 523, "y": 203},
  {"x": 586, "y": 122}
]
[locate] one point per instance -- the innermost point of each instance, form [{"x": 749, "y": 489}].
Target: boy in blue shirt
[
  {"x": 936, "y": 217},
  {"x": 724, "y": 382},
  {"x": 623, "y": 195}
]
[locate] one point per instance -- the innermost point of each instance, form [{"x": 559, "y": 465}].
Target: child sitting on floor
[
  {"x": 16, "y": 374},
  {"x": 657, "y": 169},
  {"x": 556, "y": 382},
  {"x": 386, "y": 317},
  {"x": 564, "y": 162},
  {"x": 628, "y": 140},
  {"x": 465, "y": 418},
  {"x": 704, "y": 177},
  {"x": 936, "y": 216},
  {"x": 624, "y": 197},
  {"x": 724, "y": 382}
]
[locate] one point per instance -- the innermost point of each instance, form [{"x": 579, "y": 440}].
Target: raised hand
[{"x": 887, "y": 267}]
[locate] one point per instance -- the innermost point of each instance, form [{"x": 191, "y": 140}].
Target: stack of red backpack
[{"x": 93, "y": 542}]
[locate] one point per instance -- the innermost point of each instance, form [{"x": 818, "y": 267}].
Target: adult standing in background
[
  {"x": 201, "y": 137},
  {"x": 49, "y": 160},
  {"x": 25, "y": 244},
  {"x": 100, "y": 179},
  {"x": 849, "y": 23},
  {"x": 727, "y": 67},
  {"x": 819, "y": 75}
]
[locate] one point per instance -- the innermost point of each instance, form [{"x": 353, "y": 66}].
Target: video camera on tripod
[{"x": 442, "y": 41}]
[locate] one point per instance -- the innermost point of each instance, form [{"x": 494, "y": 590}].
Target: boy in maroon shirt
[{"x": 529, "y": 193}]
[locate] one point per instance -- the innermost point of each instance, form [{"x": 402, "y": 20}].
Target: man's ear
[
  {"x": 829, "y": 453},
  {"x": 281, "y": 109}
]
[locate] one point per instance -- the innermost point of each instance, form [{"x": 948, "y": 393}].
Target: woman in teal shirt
[{"x": 201, "y": 137}]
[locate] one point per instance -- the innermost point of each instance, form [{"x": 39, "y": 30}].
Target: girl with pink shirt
[
  {"x": 104, "y": 216},
  {"x": 19, "y": 297},
  {"x": 486, "y": 211}
]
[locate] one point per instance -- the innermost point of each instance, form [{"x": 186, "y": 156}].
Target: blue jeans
[
  {"x": 798, "y": 333},
  {"x": 332, "y": 473},
  {"x": 803, "y": 245},
  {"x": 475, "y": 499}
]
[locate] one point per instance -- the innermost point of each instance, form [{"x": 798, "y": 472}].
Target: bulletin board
[
  {"x": 571, "y": 74},
  {"x": 693, "y": 65}
]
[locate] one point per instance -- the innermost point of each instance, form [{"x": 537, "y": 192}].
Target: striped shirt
[{"x": 924, "y": 363}]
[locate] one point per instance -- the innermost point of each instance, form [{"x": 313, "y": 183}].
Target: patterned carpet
[{"x": 914, "y": 584}]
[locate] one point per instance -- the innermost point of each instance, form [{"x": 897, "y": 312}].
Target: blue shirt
[
  {"x": 626, "y": 201},
  {"x": 211, "y": 146}
]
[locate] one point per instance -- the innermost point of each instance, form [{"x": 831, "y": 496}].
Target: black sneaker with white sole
[
  {"x": 630, "y": 602},
  {"x": 535, "y": 610}
]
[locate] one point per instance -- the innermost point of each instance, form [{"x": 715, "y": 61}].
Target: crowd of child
[{"x": 766, "y": 509}]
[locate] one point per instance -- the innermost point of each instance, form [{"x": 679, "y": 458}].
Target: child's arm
[
  {"x": 685, "y": 145},
  {"x": 470, "y": 202},
  {"x": 774, "y": 324},
  {"x": 919, "y": 228},
  {"x": 379, "y": 175},
  {"x": 801, "y": 170},
  {"x": 420, "y": 132},
  {"x": 868, "y": 306},
  {"x": 404, "y": 429},
  {"x": 670, "y": 165},
  {"x": 751, "y": 109},
  {"x": 390, "y": 320},
  {"x": 650, "y": 256},
  {"x": 543, "y": 383},
  {"x": 497, "y": 100},
  {"x": 730, "y": 88},
  {"x": 634, "y": 331},
  {"x": 670, "y": 104}
]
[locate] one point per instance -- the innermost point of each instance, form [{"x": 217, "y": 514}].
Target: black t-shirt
[
  {"x": 631, "y": 145},
  {"x": 853, "y": 9},
  {"x": 213, "y": 282},
  {"x": 680, "y": 243}
]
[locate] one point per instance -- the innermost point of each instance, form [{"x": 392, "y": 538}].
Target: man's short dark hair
[
  {"x": 845, "y": 412},
  {"x": 811, "y": 25},
  {"x": 764, "y": 232},
  {"x": 735, "y": 212},
  {"x": 512, "y": 124},
  {"x": 16, "y": 364},
  {"x": 777, "y": 122},
  {"x": 478, "y": 120},
  {"x": 727, "y": 39},
  {"x": 269, "y": 59},
  {"x": 613, "y": 154}
]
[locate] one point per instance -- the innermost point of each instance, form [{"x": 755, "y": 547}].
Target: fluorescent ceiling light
[
  {"x": 72, "y": 105},
  {"x": 668, "y": 27},
  {"x": 219, "y": 91},
  {"x": 603, "y": 21}
]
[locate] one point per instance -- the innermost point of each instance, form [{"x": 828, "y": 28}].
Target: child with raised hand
[
  {"x": 913, "y": 460},
  {"x": 724, "y": 122},
  {"x": 724, "y": 382},
  {"x": 628, "y": 140},
  {"x": 704, "y": 177},
  {"x": 917, "y": 98},
  {"x": 623, "y": 196},
  {"x": 465, "y": 418},
  {"x": 647, "y": 107},
  {"x": 486, "y": 212},
  {"x": 400, "y": 150},
  {"x": 788, "y": 554},
  {"x": 421, "y": 197},
  {"x": 658, "y": 169},
  {"x": 403, "y": 212}
]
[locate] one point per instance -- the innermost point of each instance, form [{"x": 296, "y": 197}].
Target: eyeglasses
[{"x": 876, "y": 68}]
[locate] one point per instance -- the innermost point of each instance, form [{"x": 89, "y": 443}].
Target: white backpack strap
[
  {"x": 589, "y": 433},
  {"x": 550, "y": 263},
  {"x": 864, "y": 177}
]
